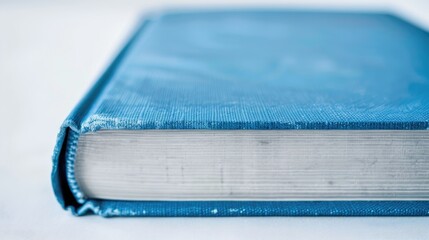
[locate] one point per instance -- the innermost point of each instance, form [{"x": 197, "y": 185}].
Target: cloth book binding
[{"x": 254, "y": 70}]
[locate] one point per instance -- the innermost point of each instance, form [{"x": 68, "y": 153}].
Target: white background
[{"x": 50, "y": 54}]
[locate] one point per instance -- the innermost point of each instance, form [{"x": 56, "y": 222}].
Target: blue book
[{"x": 254, "y": 113}]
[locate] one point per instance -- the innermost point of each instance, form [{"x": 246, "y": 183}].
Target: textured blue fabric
[
  {"x": 233, "y": 209},
  {"x": 254, "y": 70}
]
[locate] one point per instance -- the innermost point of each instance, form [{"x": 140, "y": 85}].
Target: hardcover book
[{"x": 254, "y": 113}]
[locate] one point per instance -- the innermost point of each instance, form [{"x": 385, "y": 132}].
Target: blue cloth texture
[{"x": 254, "y": 69}]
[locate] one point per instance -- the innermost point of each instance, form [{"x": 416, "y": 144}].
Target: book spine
[{"x": 64, "y": 186}]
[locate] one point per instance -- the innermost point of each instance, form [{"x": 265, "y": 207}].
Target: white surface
[{"x": 49, "y": 56}]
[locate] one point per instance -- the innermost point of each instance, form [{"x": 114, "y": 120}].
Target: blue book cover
[{"x": 254, "y": 70}]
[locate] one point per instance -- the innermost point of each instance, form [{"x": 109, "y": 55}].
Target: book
[{"x": 254, "y": 113}]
